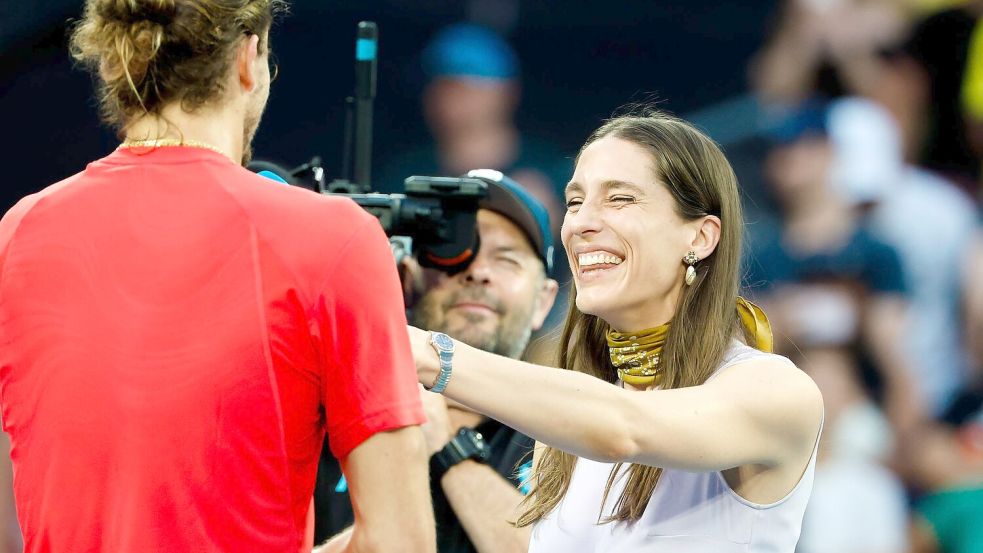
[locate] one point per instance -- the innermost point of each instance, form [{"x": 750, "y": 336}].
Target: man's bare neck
[{"x": 221, "y": 130}]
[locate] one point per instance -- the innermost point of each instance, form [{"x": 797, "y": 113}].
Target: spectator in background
[
  {"x": 869, "y": 171},
  {"x": 929, "y": 74},
  {"x": 469, "y": 104},
  {"x": 827, "y": 47},
  {"x": 946, "y": 50},
  {"x": 824, "y": 279},
  {"x": 947, "y": 463},
  {"x": 858, "y": 505},
  {"x": 835, "y": 290},
  {"x": 849, "y": 48},
  {"x": 973, "y": 308},
  {"x": 815, "y": 48}
]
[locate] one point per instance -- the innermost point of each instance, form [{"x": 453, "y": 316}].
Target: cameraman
[
  {"x": 494, "y": 304},
  {"x": 177, "y": 333}
]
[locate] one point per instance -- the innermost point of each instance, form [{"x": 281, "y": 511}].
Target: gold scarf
[{"x": 636, "y": 355}]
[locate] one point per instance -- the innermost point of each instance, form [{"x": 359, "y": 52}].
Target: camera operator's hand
[
  {"x": 417, "y": 280},
  {"x": 411, "y": 275}
]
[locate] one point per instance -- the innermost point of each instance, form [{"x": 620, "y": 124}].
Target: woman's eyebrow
[{"x": 607, "y": 185}]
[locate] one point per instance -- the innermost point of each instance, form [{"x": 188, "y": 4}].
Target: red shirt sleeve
[
  {"x": 369, "y": 379},
  {"x": 9, "y": 223},
  {"x": 8, "y": 226}
]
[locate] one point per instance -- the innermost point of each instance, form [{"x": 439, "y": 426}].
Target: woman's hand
[{"x": 424, "y": 356}]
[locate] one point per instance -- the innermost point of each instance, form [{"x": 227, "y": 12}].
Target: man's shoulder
[
  {"x": 288, "y": 215},
  {"x": 306, "y": 232},
  {"x": 267, "y": 198},
  {"x": 14, "y": 216}
]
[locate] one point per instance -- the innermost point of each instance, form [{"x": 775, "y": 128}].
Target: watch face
[
  {"x": 474, "y": 444},
  {"x": 442, "y": 341},
  {"x": 479, "y": 442}
]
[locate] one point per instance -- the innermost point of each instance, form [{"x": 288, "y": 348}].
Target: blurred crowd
[
  {"x": 865, "y": 251},
  {"x": 862, "y": 190}
]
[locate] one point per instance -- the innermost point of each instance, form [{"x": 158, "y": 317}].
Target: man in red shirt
[{"x": 177, "y": 333}]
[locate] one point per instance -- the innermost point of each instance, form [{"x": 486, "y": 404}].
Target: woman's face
[{"x": 623, "y": 238}]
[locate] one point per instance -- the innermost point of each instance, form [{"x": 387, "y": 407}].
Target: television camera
[{"x": 433, "y": 219}]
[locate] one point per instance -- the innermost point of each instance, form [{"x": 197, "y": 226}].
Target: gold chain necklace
[{"x": 153, "y": 143}]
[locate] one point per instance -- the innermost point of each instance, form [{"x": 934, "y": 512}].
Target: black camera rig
[{"x": 434, "y": 219}]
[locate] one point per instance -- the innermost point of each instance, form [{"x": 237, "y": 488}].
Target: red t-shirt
[{"x": 176, "y": 335}]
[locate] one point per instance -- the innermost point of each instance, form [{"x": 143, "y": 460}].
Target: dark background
[{"x": 580, "y": 61}]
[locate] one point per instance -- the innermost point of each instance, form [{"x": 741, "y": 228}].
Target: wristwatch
[
  {"x": 445, "y": 352},
  {"x": 468, "y": 443}
]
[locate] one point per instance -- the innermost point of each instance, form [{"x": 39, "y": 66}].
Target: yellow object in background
[{"x": 972, "y": 90}]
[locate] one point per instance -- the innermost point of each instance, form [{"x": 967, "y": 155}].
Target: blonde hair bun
[
  {"x": 146, "y": 54},
  {"x": 129, "y": 12}
]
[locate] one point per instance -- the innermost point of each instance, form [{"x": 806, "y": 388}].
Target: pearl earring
[{"x": 690, "y": 259}]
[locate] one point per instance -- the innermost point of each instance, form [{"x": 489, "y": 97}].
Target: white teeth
[{"x": 597, "y": 259}]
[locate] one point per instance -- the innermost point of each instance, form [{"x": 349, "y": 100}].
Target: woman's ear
[{"x": 706, "y": 236}]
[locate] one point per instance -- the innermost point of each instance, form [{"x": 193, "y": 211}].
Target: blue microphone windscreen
[{"x": 272, "y": 176}]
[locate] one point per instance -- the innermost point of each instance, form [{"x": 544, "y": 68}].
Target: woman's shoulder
[
  {"x": 756, "y": 373},
  {"x": 744, "y": 363},
  {"x": 742, "y": 359},
  {"x": 739, "y": 353},
  {"x": 773, "y": 393}
]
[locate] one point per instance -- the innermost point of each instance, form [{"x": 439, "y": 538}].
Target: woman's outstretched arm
[{"x": 762, "y": 412}]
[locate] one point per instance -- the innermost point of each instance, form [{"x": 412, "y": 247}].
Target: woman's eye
[
  {"x": 623, "y": 199},
  {"x": 574, "y": 202}
]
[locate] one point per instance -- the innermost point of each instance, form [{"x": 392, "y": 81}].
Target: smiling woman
[{"x": 672, "y": 425}]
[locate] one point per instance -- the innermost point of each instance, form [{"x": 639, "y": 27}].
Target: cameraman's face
[{"x": 499, "y": 300}]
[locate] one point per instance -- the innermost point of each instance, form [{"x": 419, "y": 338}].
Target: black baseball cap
[{"x": 509, "y": 198}]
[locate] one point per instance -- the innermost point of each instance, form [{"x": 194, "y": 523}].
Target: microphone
[
  {"x": 366, "y": 60},
  {"x": 366, "y": 67}
]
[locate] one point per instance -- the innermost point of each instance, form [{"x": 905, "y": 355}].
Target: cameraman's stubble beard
[{"x": 509, "y": 337}]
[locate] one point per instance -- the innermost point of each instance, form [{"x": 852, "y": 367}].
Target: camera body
[{"x": 434, "y": 220}]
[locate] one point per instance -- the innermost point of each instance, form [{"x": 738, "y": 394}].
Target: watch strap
[
  {"x": 444, "y": 347},
  {"x": 444, "y": 376},
  {"x": 466, "y": 444}
]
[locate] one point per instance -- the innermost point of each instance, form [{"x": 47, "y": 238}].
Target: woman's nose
[{"x": 585, "y": 220}]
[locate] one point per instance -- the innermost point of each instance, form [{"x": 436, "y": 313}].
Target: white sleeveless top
[{"x": 689, "y": 512}]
